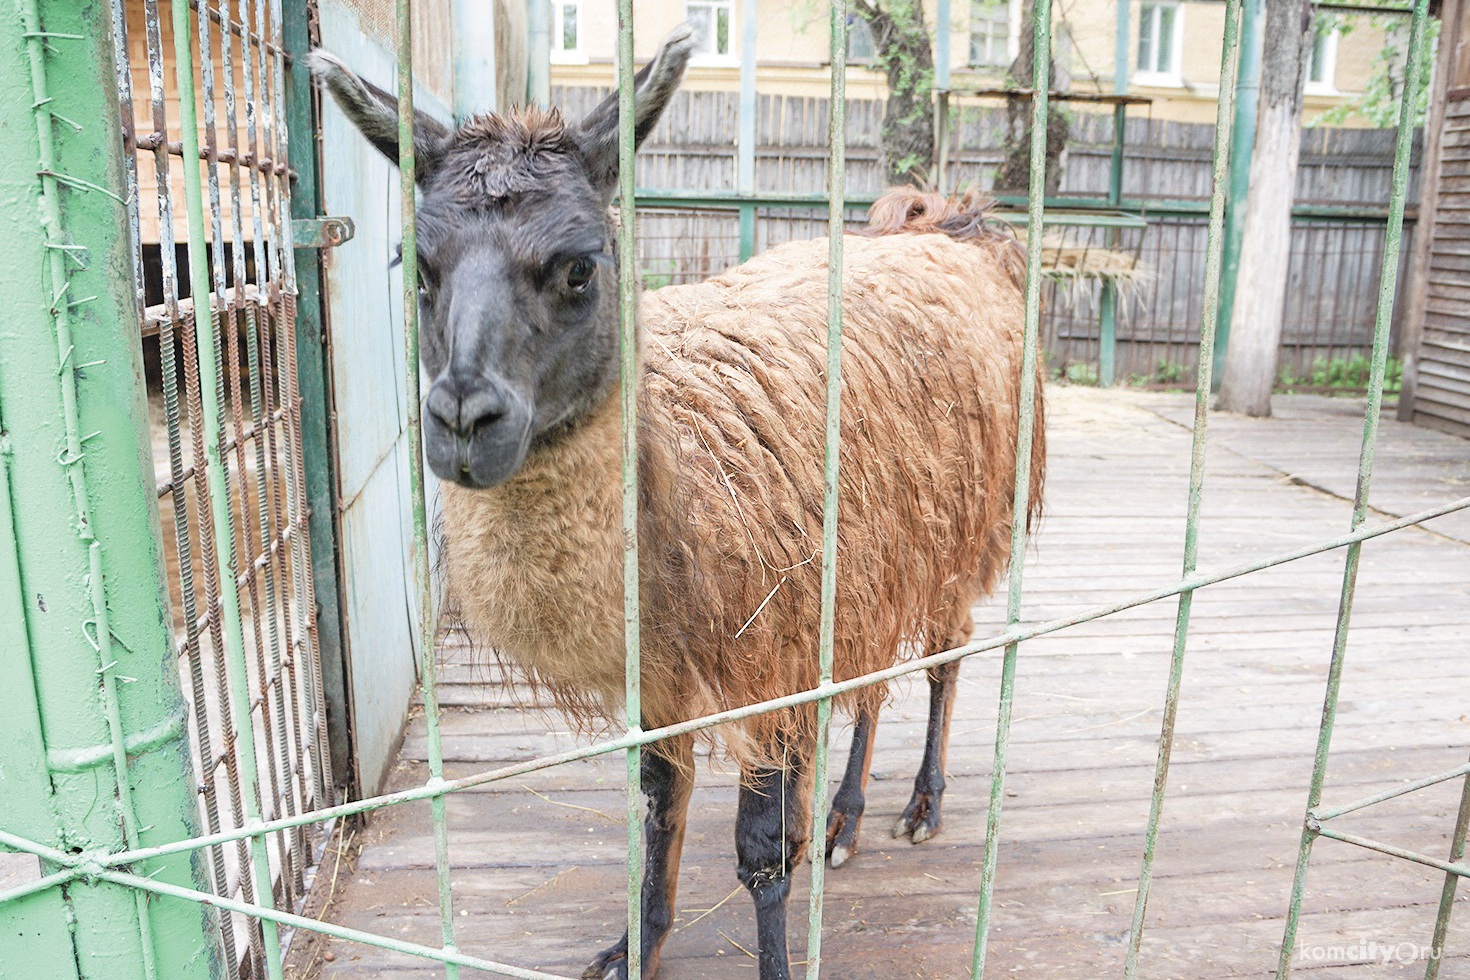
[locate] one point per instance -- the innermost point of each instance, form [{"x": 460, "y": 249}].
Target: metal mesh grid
[
  {"x": 238, "y": 107},
  {"x": 109, "y": 867}
]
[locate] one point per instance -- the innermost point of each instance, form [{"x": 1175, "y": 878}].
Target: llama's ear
[
  {"x": 653, "y": 86},
  {"x": 375, "y": 113}
]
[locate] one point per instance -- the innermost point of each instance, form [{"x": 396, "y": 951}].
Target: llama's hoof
[
  {"x": 842, "y": 834},
  {"x": 611, "y": 963},
  {"x": 920, "y": 820}
]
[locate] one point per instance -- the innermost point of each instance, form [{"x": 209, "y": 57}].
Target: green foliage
[
  {"x": 1078, "y": 373},
  {"x": 659, "y": 274},
  {"x": 1346, "y": 374},
  {"x": 1169, "y": 372},
  {"x": 1378, "y": 102}
]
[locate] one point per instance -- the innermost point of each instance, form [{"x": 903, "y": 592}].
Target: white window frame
[
  {"x": 858, "y": 27},
  {"x": 559, "y": 54},
  {"x": 1328, "y": 83},
  {"x": 1013, "y": 34},
  {"x": 706, "y": 54},
  {"x": 1170, "y": 76}
]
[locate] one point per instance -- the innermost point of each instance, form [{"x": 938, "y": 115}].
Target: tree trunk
[
  {"x": 1014, "y": 174},
  {"x": 1265, "y": 251},
  {"x": 905, "y": 54}
]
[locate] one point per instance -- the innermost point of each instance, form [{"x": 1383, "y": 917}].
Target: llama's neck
[{"x": 535, "y": 563}]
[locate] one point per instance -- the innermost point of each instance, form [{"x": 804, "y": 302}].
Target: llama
[{"x": 520, "y": 331}]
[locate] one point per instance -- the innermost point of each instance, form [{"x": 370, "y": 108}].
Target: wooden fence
[{"x": 1334, "y": 260}]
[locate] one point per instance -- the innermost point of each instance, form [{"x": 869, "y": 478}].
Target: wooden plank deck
[{"x": 539, "y": 877}]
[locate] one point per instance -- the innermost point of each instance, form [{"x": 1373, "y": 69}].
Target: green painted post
[
  {"x": 313, "y": 371},
  {"x": 93, "y": 753},
  {"x": 745, "y": 144},
  {"x": 1243, "y": 142},
  {"x": 1107, "y": 314},
  {"x": 1107, "y": 333}
]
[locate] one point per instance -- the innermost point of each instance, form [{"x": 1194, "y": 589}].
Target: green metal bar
[
  {"x": 1021, "y": 501},
  {"x": 89, "y": 646},
  {"x": 1017, "y": 634},
  {"x": 1322, "y": 816},
  {"x": 1074, "y": 207},
  {"x": 1388, "y": 287},
  {"x": 745, "y": 142},
  {"x": 303, "y": 666},
  {"x": 1120, "y": 49},
  {"x": 1451, "y": 880},
  {"x": 1120, "y": 139},
  {"x": 943, "y": 30},
  {"x": 538, "y": 44},
  {"x": 1243, "y": 142},
  {"x": 1107, "y": 342},
  {"x": 629, "y": 380},
  {"x": 1107, "y": 332},
  {"x": 1450, "y": 868},
  {"x": 217, "y": 474},
  {"x": 1361, "y": 8},
  {"x": 451, "y": 958},
  {"x": 836, "y": 228},
  {"x": 39, "y": 885},
  {"x": 312, "y": 370},
  {"x": 429, "y": 656},
  {"x": 943, "y": 27},
  {"x": 747, "y": 231},
  {"x": 941, "y": 138},
  {"x": 1229, "y": 64}
]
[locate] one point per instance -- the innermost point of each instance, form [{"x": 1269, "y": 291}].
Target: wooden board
[{"x": 538, "y": 860}]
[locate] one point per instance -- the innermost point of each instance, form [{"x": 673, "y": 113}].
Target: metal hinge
[{"x": 324, "y": 232}]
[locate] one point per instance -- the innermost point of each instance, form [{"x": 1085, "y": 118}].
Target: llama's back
[{"x": 735, "y": 394}]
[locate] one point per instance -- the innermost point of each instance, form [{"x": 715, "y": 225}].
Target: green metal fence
[{"x": 132, "y": 876}]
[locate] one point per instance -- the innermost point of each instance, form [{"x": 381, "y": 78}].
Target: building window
[
  {"x": 566, "y": 38},
  {"x": 714, "y": 28},
  {"x": 1322, "y": 68},
  {"x": 861, "y": 49},
  {"x": 1160, "y": 36},
  {"x": 994, "y": 33}
]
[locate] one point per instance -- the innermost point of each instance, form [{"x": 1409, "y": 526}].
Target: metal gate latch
[{"x": 325, "y": 232}]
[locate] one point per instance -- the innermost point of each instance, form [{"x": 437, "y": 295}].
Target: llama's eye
[
  {"x": 426, "y": 284},
  {"x": 579, "y": 275}
]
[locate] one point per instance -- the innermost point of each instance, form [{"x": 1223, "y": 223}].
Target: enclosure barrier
[{"x": 134, "y": 857}]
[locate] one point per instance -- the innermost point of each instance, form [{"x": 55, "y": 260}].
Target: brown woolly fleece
[{"x": 731, "y": 447}]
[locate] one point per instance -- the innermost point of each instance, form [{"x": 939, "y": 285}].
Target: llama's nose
[{"x": 462, "y": 410}]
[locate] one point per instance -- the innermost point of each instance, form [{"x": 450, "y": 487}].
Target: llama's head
[{"x": 517, "y": 265}]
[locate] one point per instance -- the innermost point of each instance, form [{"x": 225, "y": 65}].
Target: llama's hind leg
[
  {"x": 921, "y": 818},
  {"x": 771, "y": 832},
  {"x": 846, "y": 816},
  {"x": 668, "y": 779}
]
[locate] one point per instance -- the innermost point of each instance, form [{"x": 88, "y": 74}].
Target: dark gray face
[
  {"x": 518, "y": 327},
  {"x": 517, "y": 280}
]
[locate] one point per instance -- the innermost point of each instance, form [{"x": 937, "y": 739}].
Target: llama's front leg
[
  {"x": 771, "y": 831},
  {"x": 921, "y": 817},
  {"x": 847, "y": 805},
  {"x": 668, "y": 779}
]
